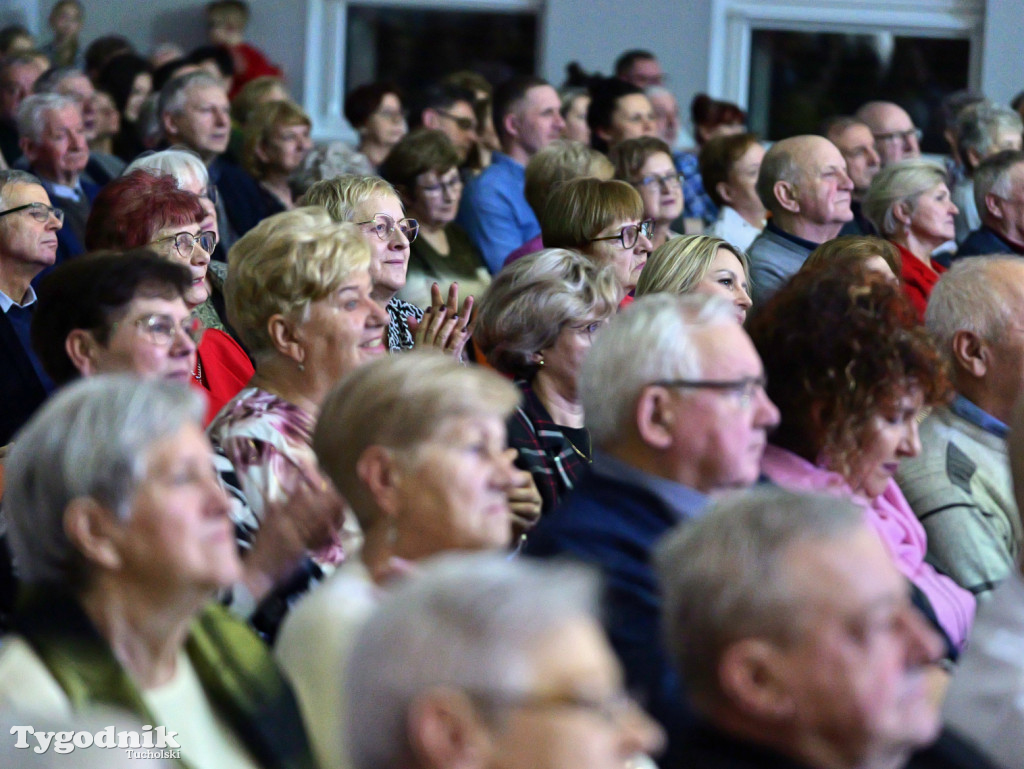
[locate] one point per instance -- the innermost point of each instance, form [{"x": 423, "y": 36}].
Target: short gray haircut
[
  {"x": 49, "y": 81},
  {"x": 468, "y": 622},
  {"x": 902, "y": 182},
  {"x": 993, "y": 177},
  {"x": 978, "y": 125},
  {"x": 779, "y": 165},
  {"x": 34, "y": 109},
  {"x": 10, "y": 177},
  {"x": 723, "y": 576},
  {"x": 650, "y": 340},
  {"x": 88, "y": 440},
  {"x": 175, "y": 93},
  {"x": 971, "y": 296},
  {"x": 179, "y": 162}
]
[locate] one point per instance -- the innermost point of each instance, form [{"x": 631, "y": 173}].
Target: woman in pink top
[{"x": 850, "y": 369}]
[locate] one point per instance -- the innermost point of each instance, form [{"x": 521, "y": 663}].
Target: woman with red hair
[{"x": 140, "y": 209}]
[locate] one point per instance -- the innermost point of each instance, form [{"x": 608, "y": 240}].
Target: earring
[
  {"x": 540, "y": 360},
  {"x": 302, "y": 367}
]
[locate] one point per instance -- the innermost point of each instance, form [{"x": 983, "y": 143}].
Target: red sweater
[
  {"x": 918, "y": 279},
  {"x": 224, "y": 369}
]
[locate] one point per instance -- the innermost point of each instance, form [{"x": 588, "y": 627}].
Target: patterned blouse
[{"x": 399, "y": 334}]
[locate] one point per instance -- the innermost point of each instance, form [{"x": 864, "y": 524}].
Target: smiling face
[
  {"x": 725, "y": 278},
  {"x": 627, "y": 262},
  {"x": 663, "y": 197},
  {"x": 389, "y": 259},
  {"x": 889, "y": 436},
  {"x": 931, "y": 220},
  {"x": 197, "y": 262}
]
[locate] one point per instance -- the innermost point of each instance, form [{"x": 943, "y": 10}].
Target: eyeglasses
[
  {"x": 613, "y": 709},
  {"x": 898, "y": 136},
  {"x": 630, "y": 233},
  {"x": 392, "y": 116},
  {"x": 185, "y": 242},
  {"x": 653, "y": 180},
  {"x": 161, "y": 329},
  {"x": 450, "y": 187},
  {"x": 38, "y": 211},
  {"x": 384, "y": 226},
  {"x": 464, "y": 123},
  {"x": 744, "y": 389}
]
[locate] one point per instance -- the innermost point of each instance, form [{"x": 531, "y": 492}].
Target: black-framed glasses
[
  {"x": 464, "y": 123},
  {"x": 384, "y": 226},
  {"x": 744, "y": 388},
  {"x": 674, "y": 179},
  {"x": 449, "y": 187},
  {"x": 898, "y": 136},
  {"x": 161, "y": 329},
  {"x": 630, "y": 233},
  {"x": 613, "y": 708},
  {"x": 185, "y": 242},
  {"x": 38, "y": 211}
]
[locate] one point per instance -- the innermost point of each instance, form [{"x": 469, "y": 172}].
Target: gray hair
[
  {"x": 723, "y": 576},
  {"x": 10, "y": 177},
  {"x": 650, "y": 340},
  {"x": 467, "y": 622},
  {"x": 779, "y": 165},
  {"x": 179, "y": 162},
  {"x": 902, "y": 182},
  {"x": 50, "y": 80},
  {"x": 34, "y": 109},
  {"x": 175, "y": 93},
  {"x": 88, "y": 440},
  {"x": 978, "y": 125},
  {"x": 993, "y": 177}
]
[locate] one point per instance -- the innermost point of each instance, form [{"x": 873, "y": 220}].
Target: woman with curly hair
[{"x": 850, "y": 369}]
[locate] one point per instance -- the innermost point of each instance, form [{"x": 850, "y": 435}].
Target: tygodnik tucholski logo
[{"x": 150, "y": 742}]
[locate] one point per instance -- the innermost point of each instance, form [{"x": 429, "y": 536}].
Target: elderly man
[
  {"x": 676, "y": 409},
  {"x": 494, "y": 211},
  {"x": 999, "y": 196},
  {"x": 53, "y": 142},
  {"x": 18, "y": 75},
  {"x": 28, "y": 245},
  {"x": 481, "y": 663},
  {"x": 959, "y": 485},
  {"x": 449, "y": 109},
  {"x": 804, "y": 183},
  {"x": 640, "y": 68},
  {"x": 895, "y": 134},
  {"x": 797, "y": 639},
  {"x": 666, "y": 114},
  {"x": 193, "y": 111},
  {"x": 854, "y": 140},
  {"x": 982, "y": 130}
]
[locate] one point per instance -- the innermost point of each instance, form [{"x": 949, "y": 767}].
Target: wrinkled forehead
[
  {"x": 206, "y": 95},
  {"x": 892, "y": 117}
]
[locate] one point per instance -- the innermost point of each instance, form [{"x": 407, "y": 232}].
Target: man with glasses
[
  {"x": 640, "y": 68},
  {"x": 896, "y": 137},
  {"x": 449, "y": 109},
  {"x": 28, "y": 245},
  {"x": 673, "y": 391},
  {"x": 999, "y": 196}
]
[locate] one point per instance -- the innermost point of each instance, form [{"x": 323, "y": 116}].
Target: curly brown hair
[{"x": 839, "y": 344}]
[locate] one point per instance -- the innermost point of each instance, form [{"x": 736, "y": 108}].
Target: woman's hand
[
  {"x": 443, "y": 326},
  {"x": 524, "y": 500}
]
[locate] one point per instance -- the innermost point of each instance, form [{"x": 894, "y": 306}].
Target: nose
[
  {"x": 398, "y": 241},
  {"x": 874, "y": 159},
  {"x": 639, "y": 733},
  {"x": 767, "y": 414},
  {"x": 182, "y": 343},
  {"x": 559, "y": 123},
  {"x": 200, "y": 255},
  {"x": 643, "y": 245},
  {"x": 743, "y": 298},
  {"x": 910, "y": 446},
  {"x": 220, "y": 117},
  {"x": 503, "y": 475},
  {"x": 377, "y": 316},
  {"x": 845, "y": 182}
]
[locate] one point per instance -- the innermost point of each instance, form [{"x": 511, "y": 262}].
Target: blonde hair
[
  {"x": 399, "y": 402},
  {"x": 902, "y": 182},
  {"x": 561, "y": 161},
  {"x": 264, "y": 119},
  {"x": 285, "y": 263},
  {"x": 680, "y": 263},
  {"x": 577, "y": 210},
  {"x": 250, "y": 96},
  {"x": 340, "y": 195}
]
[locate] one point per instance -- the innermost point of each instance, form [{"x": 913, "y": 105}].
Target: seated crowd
[{"x": 525, "y": 438}]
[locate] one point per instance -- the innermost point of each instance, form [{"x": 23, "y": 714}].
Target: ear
[
  {"x": 511, "y": 123},
  {"x": 285, "y": 337},
  {"x": 973, "y": 158},
  {"x": 169, "y": 125},
  {"x": 903, "y": 212},
  {"x": 992, "y": 207},
  {"x": 445, "y": 731},
  {"x": 378, "y": 470},
  {"x": 786, "y": 194},
  {"x": 28, "y": 149},
  {"x": 655, "y": 416},
  {"x": 93, "y": 530},
  {"x": 81, "y": 347},
  {"x": 970, "y": 353},
  {"x": 260, "y": 152},
  {"x": 724, "y": 192},
  {"x": 431, "y": 119},
  {"x": 752, "y": 676}
]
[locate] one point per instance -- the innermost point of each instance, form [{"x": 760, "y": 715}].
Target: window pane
[{"x": 797, "y": 79}]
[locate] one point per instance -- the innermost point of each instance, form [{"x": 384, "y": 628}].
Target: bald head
[{"x": 896, "y": 137}]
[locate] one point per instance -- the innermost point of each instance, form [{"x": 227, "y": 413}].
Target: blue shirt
[
  {"x": 697, "y": 204},
  {"x": 976, "y": 415},
  {"x": 685, "y": 502},
  {"x": 494, "y": 211}
]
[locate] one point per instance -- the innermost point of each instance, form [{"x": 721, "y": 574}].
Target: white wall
[{"x": 1002, "y": 77}]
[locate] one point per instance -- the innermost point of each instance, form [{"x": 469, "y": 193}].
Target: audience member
[
  {"x": 698, "y": 264},
  {"x": 856, "y": 143},
  {"x": 108, "y": 125},
  {"x": 909, "y": 204},
  {"x": 16, "y": 39},
  {"x": 711, "y": 118},
  {"x": 729, "y": 166},
  {"x": 28, "y": 245},
  {"x": 675, "y": 404},
  {"x": 851, "y": 368},
  {"x": 959, "y": 485},
  {"x": 575, "y": 103},
  {"x": 450, "y": 110},
  {"x": 999, "y": 197},
  {"x": 896, "y": 137},
  {"x": 416, "y": 444},
  {"x": 121, "y": 550},
  {"x": 226, "y": 21},
  {"x": 537, "y": 323},
  {"x": 65, "y": 22},
  {"x": 18, "y": 75},
  {"x": 494, "y": 210},
  {"x": 216, "y": 61},
  {"x": 618, "y": 111},
  {"x": 487, "y": 138},
  {"x": 128, "y": 79},
  {"x": 375, "y": 112},
  {"x": 666, "y": 114},
  {"x": 639, "y": 68},
  {"x": 865, "y": 251},
  {"x": 275, "y": 143},
  {"x": 484, "y": 663},
  {"x": 100, "y": 51},
  {"x": 424, "y": 170},
  {"x": 804, "y": 185},
  {"x": 646, "y": 164}
]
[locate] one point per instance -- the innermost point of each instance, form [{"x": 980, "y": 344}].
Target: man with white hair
[
  {"x": 674, "y": 395},
  {"x": 959, "y": 485},
  {"x": 999, "y": 197},
  {"x": 896, "y": 137}
]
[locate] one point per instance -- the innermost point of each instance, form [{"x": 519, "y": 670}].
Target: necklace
[{"x": 198, "y": 373}]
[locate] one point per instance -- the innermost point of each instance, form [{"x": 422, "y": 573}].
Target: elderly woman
[
  {"x": 537, "y": 323},
  {"x": 602, "y": 220},
  {"x": 375, "y": 112},
  {"x": 275, "y": 142},
  {"x": 699, "y": 263},
  {"x": 373, "y": 205},
  {"x": 145, "y": 210},
  {"x": 728, "y": 167},
  {"x": 416, "y": 444},
  {"x": 122, "y": 549},
  {"x": 646, "y": 163},
  {"x": 909, "y": 204},
  {"x": 424, "y": 169},
  {"x": 850, "y": 369},
  {"x": 866, "y": 250}
]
